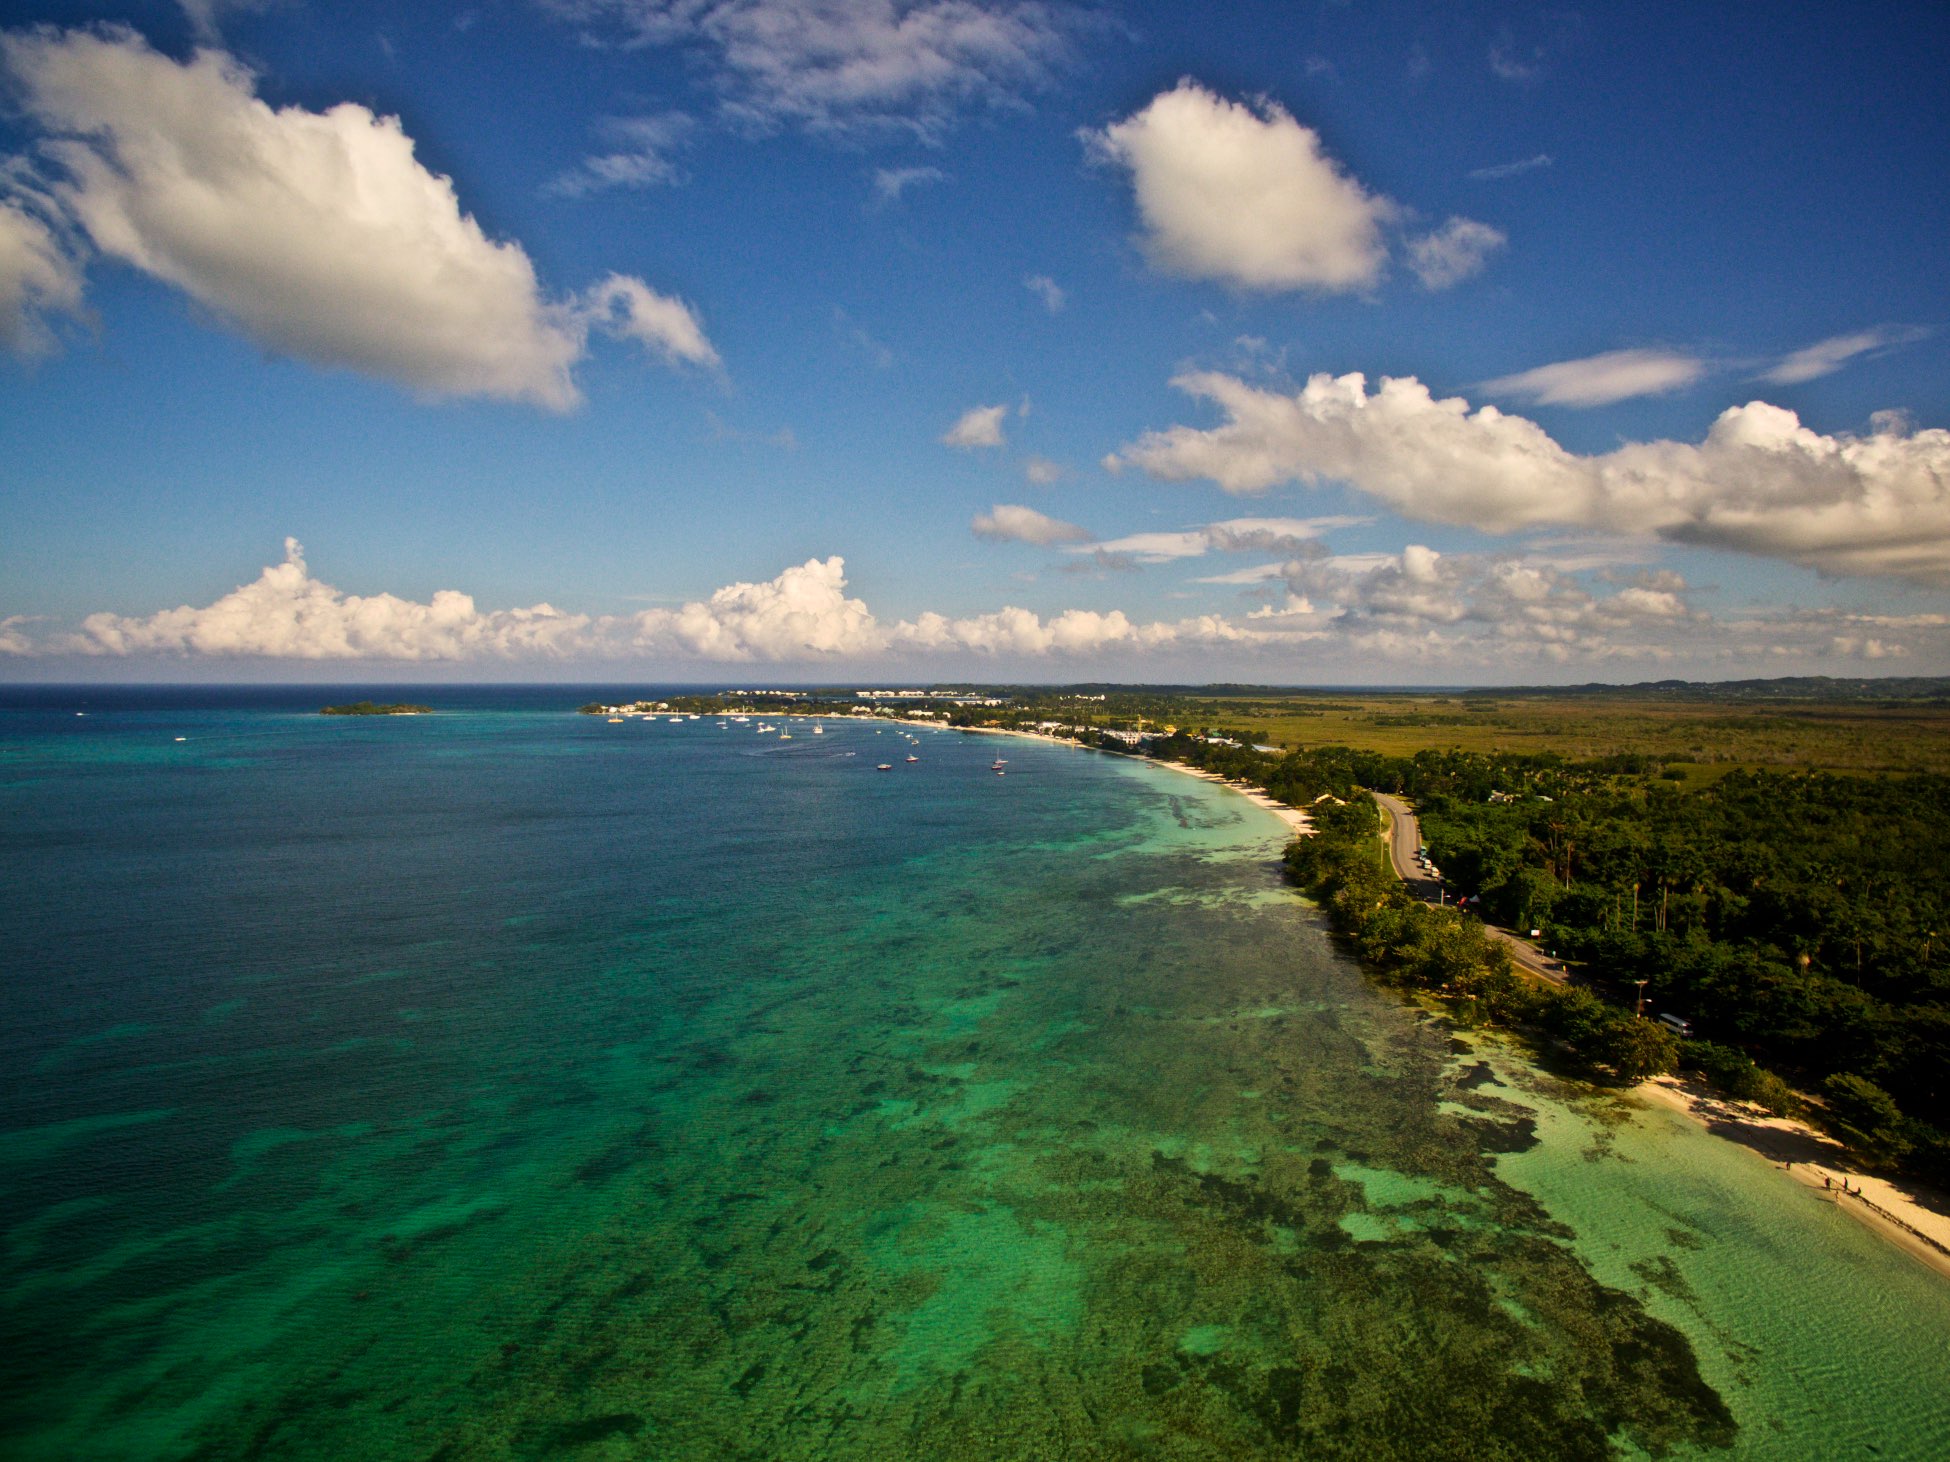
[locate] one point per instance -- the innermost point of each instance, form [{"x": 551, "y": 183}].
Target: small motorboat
[{"x": 885, "y": 766}]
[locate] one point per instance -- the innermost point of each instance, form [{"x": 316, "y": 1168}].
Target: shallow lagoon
[{"x": 505, "y": 1083}]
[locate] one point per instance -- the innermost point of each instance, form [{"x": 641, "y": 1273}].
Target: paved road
[{"x": 1404, "y": 837}]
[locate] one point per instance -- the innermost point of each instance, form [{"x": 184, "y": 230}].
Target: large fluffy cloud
[
  {"x": 317, "y": 234},
  {"x": 287, "y": 614},
  {"x": 1245, "y": 195},
  {"x": 803, "y": 614},
  {"x": 1760, "y": 481},
  {"x": 848, "y": 65}
]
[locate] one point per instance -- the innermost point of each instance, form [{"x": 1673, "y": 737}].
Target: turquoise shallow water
[{"x": 505, "y": 1083}]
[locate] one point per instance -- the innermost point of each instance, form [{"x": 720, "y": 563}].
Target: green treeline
[
  {"x": 1799, "y": 921},
  {"x": 1442, "y": 950},
  {"x": 1796, "y": 918}
]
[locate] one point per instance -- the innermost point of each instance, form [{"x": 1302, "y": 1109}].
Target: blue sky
[{"x": 794, "y": 339}]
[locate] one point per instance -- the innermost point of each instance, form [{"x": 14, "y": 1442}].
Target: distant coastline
[{"x": 372, "y": 708}]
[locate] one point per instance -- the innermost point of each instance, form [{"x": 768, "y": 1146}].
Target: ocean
[{"x": 506, "y": 1083}]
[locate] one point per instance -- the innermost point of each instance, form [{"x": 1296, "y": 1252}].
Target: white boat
[
  {"x": 818, "y": 730},
  {"x": 885, "y": 766},
  {"x": 997, "y": 765},
  {"x": 785, "y": 736},
  {"x": 914, "y": 758}
]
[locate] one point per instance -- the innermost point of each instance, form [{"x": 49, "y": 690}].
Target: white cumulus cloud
[
  {"x": 803, "y": 614},
  {"x": 627, "y": 308},
  {"x": 979, "y": 426},
  {"x": 1598, "y": 380},
  {"x": 1245, "y": 195},
  {"x": 1760, "y": 482},
  {"x": 1011, "y": 522},
  {"x": 287, "y": 614},
  {"x": 318, "y": 235}
]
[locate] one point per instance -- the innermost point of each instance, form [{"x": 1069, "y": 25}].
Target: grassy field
[{"x": 1706, "y": 739}]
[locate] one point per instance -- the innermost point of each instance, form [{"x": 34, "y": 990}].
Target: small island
[{"x": 371, "y": 708}]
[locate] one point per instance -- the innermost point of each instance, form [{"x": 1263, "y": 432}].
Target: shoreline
[
  {"x": 1904, "y": 1215},
  {"x": 1297, "y": 821},
  {"x": 1907, "y": 1217}
]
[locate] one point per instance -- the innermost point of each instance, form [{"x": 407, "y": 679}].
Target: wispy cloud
[
  {"x": 1511, "y": 169},
  {"x": 849, "y": 66},
  {"x": 1047, "y": 290},
  {"x": 641, "y": 155},
  {"x": 1235, "y": 535},
  {"x": 859, "y": 338},
  {"x": 1509, "y": 62},
  {"x": 1013, "y": 523},
  {"x": 1825, "y": 357},
  {"x": 1599, "y": 380},
  {"x": 890, "y": 184},
  {"x": 1454, "y": 252}
]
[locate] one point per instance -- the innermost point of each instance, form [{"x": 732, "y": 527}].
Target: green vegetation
[
  {"x": 1798, "y": 921},
  {"x": 1447, "y": 953},
  {"x": 1793, "y": 918},
  {"x": 373, "y": 708}
]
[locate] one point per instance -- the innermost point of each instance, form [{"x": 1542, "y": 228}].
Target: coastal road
[{"x": 1404, "y": 837}]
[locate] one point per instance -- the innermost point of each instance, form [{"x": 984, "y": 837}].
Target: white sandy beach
[
  {"x": 1291, "y": 816},
  {"x": 1908, "y": 1215}
]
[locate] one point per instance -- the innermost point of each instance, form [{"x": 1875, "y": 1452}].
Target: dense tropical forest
[{"x": 1799, "y": 920}]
